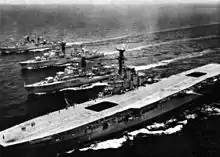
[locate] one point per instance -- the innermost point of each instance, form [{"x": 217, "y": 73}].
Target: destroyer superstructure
[
  {"x": 72, "y": 76},
  {"x": 27, "y": 44},
  {"x": 59, "y": 57}
]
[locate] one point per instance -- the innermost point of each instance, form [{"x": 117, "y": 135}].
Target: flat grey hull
[
  {"x": 37, "y": 65},
  {"x": 62, "y": 85}
]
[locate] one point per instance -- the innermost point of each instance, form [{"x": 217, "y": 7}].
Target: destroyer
[
  {"x": 27, "y": 45},
  {"x": 59, "y": 57},
  {"x": 73, "y": 76}
]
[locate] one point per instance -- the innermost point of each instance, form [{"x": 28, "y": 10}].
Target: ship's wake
[
  {"x": 171, "y": 126},
  {"x": 148, "y": 33},
  {"x": 163, "y": 43},
  {"x": 168, "y": 61},
  {"x": 211, "y": 110}
]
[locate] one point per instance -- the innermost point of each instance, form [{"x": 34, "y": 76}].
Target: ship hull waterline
[
  {"x": 25, "y": 65},
  {"x": 42, "y": 64},
  {"x": 157, "y": 109},
  {"x": 75, "y": 82}
]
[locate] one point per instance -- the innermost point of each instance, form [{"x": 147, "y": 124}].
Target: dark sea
[{"x": 165, "y": 40}]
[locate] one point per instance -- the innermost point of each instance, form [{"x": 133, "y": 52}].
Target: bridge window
[
  {"x": 196, "y": 74},
  {"x": 101, "y": 106}
]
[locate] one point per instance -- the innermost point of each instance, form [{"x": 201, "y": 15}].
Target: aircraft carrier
[{"x": 106, "y": 115}]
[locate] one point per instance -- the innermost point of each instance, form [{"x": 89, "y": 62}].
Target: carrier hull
[
  {"x": 41, "y": 147},
  {"x": 74, "y": 126}
]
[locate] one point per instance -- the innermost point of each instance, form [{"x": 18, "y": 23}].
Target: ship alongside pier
[{"x": 112, "y": 113}]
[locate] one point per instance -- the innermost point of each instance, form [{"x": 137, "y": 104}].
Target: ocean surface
[{"x": 161, "y": 41}]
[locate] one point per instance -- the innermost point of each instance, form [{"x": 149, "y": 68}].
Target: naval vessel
[
  {"x": 94, "y": 119},
  {"x": 27, "y": 45},
  {"x": 59, "y": 57},
  {"x": 72, "y": 76}
]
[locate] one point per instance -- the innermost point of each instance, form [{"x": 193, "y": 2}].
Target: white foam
[
  {"x": 163, "y": 43},
  {"x": 171, "y": 121},
  {"x": 170, "y": 130},
  {"x": 161, "y": 129},
  {"x": 113, "y": 143},
  {"x": 40, "y": 93},
  {"x": 183, "y": 122},
  {"x": 116, "y": 143},
  {"x": 166, "y": 62},
  {"x": 156, "y": 125},
  {"x": 191, "y": 116},
  {"x": 70, "y": 151},
  {"x": 217, "y": 110},
  {"x": 212, "y": 110},
  {"x": 125, "y": 36},
  {"x": 86, "y": 87}
]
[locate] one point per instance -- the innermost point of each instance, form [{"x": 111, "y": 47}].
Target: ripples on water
[{"x": 191, "y": 131}]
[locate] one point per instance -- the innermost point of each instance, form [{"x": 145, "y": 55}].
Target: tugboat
[
  {"x": 28, "y": 45},
  {"x": 72, "y": 76},
  {"x": 58, "y": 58}
]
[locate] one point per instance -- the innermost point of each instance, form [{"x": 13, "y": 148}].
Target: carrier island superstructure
[{"x": 81, "y": 123}]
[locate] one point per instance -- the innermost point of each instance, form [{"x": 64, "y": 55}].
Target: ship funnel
[
  {"x": 121, "y": 59},
  {"x": 63, "y": 47},
  {"x": 83, "y": 62}
]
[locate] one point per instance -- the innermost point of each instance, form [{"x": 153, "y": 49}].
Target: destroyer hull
[
  {"x": 42, "y": 64},
  {"x": 37, "y": 65},
  {"x": 116, "y": 124},
  {"x": 20, "y": 50},
  {"x": 26, "y": 65},
  {"x": 65, "y": 84}
]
